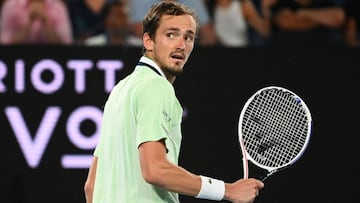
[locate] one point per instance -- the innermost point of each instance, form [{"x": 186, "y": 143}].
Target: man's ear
[{"x": 148, "y": 42}]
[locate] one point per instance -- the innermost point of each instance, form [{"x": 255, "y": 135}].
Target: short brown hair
[{"x": 165, "y": 7}]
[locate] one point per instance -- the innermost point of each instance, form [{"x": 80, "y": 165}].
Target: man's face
[{"x": 173, "y": 43}]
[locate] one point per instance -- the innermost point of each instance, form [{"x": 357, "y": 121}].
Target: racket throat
[{"x": 263, "y": 178}]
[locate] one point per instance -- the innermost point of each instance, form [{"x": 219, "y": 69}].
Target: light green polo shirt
[{"x": 142, "y": 107}]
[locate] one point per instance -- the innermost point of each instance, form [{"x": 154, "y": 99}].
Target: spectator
[
  {"x": 232, "y": 17},
  {"x": 1, "y": 3},
  {"x": 307, "y": 23},
  {"x": 138, "y": 9},
  {"x": 35, "y": 21},
  {"x": 352, "y": 24},
  {"x": 117, "y": 28},
  {"x": 87, "y": 17}
]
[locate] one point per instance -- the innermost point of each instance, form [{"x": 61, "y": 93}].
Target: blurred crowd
[{"x": 225, "y": 23}]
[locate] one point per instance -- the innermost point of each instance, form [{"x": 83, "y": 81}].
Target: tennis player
[{"x": 136, "y": 159}]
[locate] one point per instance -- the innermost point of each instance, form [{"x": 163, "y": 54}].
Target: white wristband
[{"x": 211, "y": 189}]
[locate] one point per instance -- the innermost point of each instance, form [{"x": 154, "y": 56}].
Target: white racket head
[{"x": 274, "y": 128}]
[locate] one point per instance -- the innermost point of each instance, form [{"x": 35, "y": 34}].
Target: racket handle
[{"x": 245, "y": 168}]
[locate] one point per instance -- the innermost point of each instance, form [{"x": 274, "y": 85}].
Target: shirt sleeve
[{"x": 154, "y": 112}]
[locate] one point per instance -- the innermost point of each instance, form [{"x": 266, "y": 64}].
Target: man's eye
[
  {"x": 189, "y": 38},
  {"x": 171, "y": 35}
]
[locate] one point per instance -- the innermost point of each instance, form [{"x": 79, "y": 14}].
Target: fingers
[
  {"x": 257, "y": 185},
  {"x": 243, "y": 190},
  {"x": 260, "y": 184}
]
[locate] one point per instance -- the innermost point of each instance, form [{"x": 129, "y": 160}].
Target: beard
[
  {"x": 175, "y": 70},
  {"x": 171, "y": 70}
]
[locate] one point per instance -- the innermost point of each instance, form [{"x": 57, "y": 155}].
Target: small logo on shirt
[{"x": 166, "y": 117}]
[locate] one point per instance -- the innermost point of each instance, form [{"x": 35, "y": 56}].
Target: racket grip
[{"x": 245, "y": 168}]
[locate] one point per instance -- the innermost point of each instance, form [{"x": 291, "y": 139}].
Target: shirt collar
[{"x": 149, "y": 61}]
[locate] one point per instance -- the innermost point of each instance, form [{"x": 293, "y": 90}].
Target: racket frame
[{"x": 246, "y": 156}]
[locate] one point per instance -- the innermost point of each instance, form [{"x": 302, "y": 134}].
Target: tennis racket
[{"x": 274, "y": 130}]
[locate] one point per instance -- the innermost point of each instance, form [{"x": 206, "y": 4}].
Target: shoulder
[
  {"x": 158, "y": 86},
  {"x": 149, "y": 84}
]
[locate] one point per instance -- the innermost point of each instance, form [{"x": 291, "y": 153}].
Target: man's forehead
[{"x": 180, "y": 22}]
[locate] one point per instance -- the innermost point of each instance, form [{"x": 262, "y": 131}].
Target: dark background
[{"x": 213, "y": 89}]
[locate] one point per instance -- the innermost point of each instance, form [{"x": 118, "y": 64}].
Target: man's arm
[
  {"x": 157, "y": 170},
  {"x": 287, "y": 19},
  {"x": 89, "y": 184},
  {"x": 329, "y": 17}
]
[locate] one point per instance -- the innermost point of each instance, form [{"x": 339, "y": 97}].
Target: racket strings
[{"x": 275, "y": 128}]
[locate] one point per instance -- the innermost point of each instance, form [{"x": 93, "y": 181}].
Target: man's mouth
[{"x": 178, "y": 56}]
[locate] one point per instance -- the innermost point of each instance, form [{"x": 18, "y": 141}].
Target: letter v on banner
[{"x": 33, "y": 149}]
